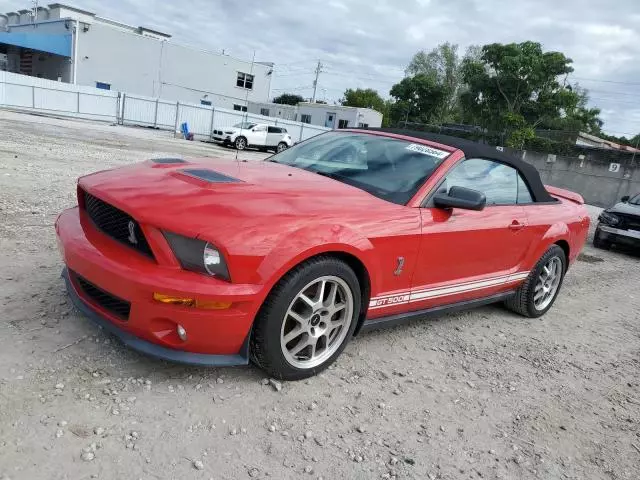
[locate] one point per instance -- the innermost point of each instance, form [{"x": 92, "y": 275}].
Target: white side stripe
[{"x": 422, "y": 293}]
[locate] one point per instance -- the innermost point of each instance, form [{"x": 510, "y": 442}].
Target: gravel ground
[{"x": 482, "y": 394}]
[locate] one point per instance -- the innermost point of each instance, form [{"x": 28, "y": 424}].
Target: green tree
[
  {"x": 363, "y": 98},
  {"x": 288, "y": 99},
  {"x": 516, "y": 87},
  {"x": 443, "y": 65},
  {"x": 417, "y": 99},
  {"x": 576, "y": 115}
]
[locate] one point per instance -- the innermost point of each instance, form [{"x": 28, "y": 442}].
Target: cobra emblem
[
  {"x": 400, "y": 266},
  {"x": 132, "y": 233}
]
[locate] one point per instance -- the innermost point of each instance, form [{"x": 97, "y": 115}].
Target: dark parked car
[{"x": 619, "y": 224}]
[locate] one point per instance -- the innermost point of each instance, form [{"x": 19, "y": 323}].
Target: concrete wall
[
  {"x": 370, "y": 117},
  {"x": 601, "y": 177},
  {"x": 150, "y": 67}
]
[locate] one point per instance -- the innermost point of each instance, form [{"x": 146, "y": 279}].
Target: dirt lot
[{"x": 483, "y": 394}]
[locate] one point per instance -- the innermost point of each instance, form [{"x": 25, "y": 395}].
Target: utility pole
[{"x": 315, "y": 82}]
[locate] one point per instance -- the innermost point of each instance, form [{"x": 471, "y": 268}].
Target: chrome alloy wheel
[
  {"x": 316, "y": 322},
  {"x": 548, "y": 283},
  {"x": 281, "y": 147}
]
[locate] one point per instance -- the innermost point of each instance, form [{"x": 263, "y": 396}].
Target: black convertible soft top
[{"x": 477, "y": 150}]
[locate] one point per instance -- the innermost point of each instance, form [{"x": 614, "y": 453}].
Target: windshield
[
  {"x": 388, "y": 168},
  {"x": 246, "y": 125},
  {"x": 635, "y": 200}
]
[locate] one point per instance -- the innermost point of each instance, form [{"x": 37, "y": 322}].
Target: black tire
[
  {"x": 240, "y": 143},
  {"x": 281, "y": 147},
  {"x": 265, "y": 348},
  {"x": 522, "y": 301},
  {"x": 598, "y": 242}
]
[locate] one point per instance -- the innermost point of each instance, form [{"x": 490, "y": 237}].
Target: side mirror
[
  {"x": 461, "y": 197},
  {"x": 625, "y": 199}
]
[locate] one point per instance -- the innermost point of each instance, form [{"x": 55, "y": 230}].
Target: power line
[
  {"x": 609, "y": 92},
  {"x": 296, "y": 73},
  {"x": 292, "y": 89},
  {"x": 606, "y": 81}
]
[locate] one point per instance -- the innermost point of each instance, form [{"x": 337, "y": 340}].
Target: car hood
[
  {"x": 230, "y": 130},
  {"x": 625, "y": 208},
  {"x": 203, "y": 198}
]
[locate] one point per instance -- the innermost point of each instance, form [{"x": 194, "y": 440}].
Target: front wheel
[
  {"x": 540, "y": 290},
  {"x": 281, "y": 147},
  {"x": 307, "y": 319},
  {"x": 241, "y": 143}
]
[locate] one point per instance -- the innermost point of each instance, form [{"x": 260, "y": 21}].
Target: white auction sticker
[{"x": 424, "y": 149}]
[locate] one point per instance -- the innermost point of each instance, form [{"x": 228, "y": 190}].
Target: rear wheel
[
  {"x": 241, "y": 143},
  {"x": 281, "y": 147},
  {"x": 540, "y": 290},
  {"x": 307, "y": 319}
]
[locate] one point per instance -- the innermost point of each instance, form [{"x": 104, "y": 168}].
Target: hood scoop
[
  {"x": 209, "y": 176},
  {"x": 167, "y": 161}
]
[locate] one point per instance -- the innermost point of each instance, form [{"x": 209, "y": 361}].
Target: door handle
[{"x": 516, "y": 226}]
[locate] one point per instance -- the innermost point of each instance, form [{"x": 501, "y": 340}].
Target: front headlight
[
  {"x": 198, "y": 256},
  {"x": 609, "y": 219}
]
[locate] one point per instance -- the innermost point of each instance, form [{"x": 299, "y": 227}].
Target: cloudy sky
[{"x": 368, "y": 43}]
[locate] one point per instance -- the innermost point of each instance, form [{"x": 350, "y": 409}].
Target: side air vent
[{"x": 209, "y": 175}]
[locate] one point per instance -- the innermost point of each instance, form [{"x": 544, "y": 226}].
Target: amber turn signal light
[{"x": 191, "y": 302}]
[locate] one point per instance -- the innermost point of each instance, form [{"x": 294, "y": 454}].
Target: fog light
[{"x": 182, "y": 333}]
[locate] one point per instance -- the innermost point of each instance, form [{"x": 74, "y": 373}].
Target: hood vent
[
  {"x": 209, "y": 175},
  {"x": 167, "y": 160}
]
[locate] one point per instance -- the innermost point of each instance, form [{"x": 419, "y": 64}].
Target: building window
[
  {"x": 343, "y": 123},
  {"x": 103, "y": 86},
  {"x": 264, "y": 111},
  {"x": 205, "y": 102},
  {"x": 363, "y": 125},
  {"x": 240, "y": 108},
  {"x": 304, "y": 118},
  {"x": 245, "y": 81}
]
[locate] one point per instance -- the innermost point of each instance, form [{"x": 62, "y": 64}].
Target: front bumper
[
  {"x": 214, "y": 337},
  {"x": 154, "y": 350},
  {"x": 224, "y": 138},
  {"x": 630, "y": 238}
]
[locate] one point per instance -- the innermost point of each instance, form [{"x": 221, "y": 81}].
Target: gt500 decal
[
  {"x": 389, "y": 300},
  {"x": 419, "y": 294}
]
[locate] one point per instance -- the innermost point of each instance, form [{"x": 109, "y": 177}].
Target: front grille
[
  {"x": 629, "y": 222},
  {"x": 217, "y": 132},
  {"x": 117, "y": 224},
  {"x": 114, "y": 305}
]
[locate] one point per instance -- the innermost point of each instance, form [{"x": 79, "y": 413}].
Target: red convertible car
[{"x": 281, "y": 262}]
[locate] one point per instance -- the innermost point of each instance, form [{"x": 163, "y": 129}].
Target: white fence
[{"x": 62, "y": 99}]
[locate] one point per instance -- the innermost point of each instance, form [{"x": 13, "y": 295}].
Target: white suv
[{"x": 259, "y": 135}]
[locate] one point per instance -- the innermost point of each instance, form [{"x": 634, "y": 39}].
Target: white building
[
  {"x": 323, "y": 115},
  {"x": 277, "y": 110},
  {"x": 76, "y": 46},
  {"x": 337, "y": 116}
]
